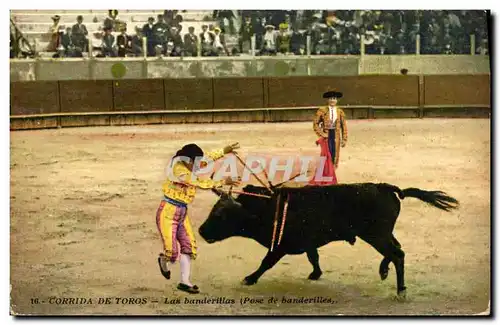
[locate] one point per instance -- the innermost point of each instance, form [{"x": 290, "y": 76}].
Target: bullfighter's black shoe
[
  {"x": 188, "y": 289},
  {"x": 165, "y": 273}
]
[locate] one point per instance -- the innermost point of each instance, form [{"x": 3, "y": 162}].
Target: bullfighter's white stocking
[{"x": 185, "y": 262}]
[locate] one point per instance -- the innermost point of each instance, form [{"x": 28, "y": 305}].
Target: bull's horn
[{"x": 216, "y": 192}]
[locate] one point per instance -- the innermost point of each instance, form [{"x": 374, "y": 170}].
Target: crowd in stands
[
  {"x": 277, "y": 32},
  {"x": 386, "y": 32}
]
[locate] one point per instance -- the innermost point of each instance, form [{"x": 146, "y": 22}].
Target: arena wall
[
  {"x": 231, "y": 67},
  {"x": 41, "y": 104}
]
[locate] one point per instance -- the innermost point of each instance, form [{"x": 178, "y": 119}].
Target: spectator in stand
[
  {"x": 160, "y": 52},
  {"x": 148, "y": 32},
  {"x": 352, "y": 43},
  {"x": 207, "y": 40},
  {"x": 411, "y": 38},
  {"x": 283, "y": 39},
  {"x": 288, "y": 22},
  {"x": 277, "y": 17},
  {"x": 136, "y": 42},
  {"x": 297, "y": 42},
  {"x": 110, "y": 21},
  {"x": 219, "y": 43},
  {"x": 400, "y": 42},
  {"x": 79, "y": 34},
  {"x": 221, "y": 16},
  {"x": 54, "y": 31},
  {"x": 246, "y": 33},
  {"x": 269, "y": 41},
  {"x": 13, "y": 53},
  {"x": 431, "y": 45},
  {"x": 123, "y": 42},
  {"x": 384, "y": 42},
  {"x": 160, "y": 33},
  {"x": 168, "y": 16},
  {"x": 60, "y": 52},
  {"x": 190, "y": 43},
  {"x": 259, "y": 30},
  {"x": 333, "y": 30},
  {"x": 108, "y": 43},
  {"x": 176, "y": 40},
  {"x": 483, "y": 48},
  {"x": 431, "y": 34},
  {"x": 322, "y": 45},
  {"x": 176, "y": 22},
  {"x": 67, "y": 43}
]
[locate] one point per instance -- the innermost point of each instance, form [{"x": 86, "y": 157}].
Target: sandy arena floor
[{"x": 83, "y": 204}]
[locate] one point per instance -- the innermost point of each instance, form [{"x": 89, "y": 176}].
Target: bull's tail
[{"x": 437, "y": 199}]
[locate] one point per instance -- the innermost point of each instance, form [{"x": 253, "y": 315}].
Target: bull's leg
[
  {"x": 399, "y": 261},
  {"x": 268, "y": 262},
  {"x": 395, "y": 242},
  {"x": 384, "y": 265},
  {"x": 313, "y": 257},
  {"x": 384, "y": 268},
  {"x": 391, "y": 252}
]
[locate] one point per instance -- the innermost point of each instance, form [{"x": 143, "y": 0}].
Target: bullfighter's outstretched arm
[
  {"x": 186, "y": 176},
  {"x": 216, "y": 154}
]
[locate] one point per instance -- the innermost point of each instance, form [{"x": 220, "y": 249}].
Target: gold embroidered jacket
[
  {"x": 185, "y": 190},
  {"x": 320, "y": 127}
]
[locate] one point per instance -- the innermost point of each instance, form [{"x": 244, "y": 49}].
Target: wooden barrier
[
  {"x": 357, "y": 90},
  {"x": 34, "y": 97},
  {"x": 285, "y": 114},
  {"x": 185, "y": 94},
  {"x": 132, "y": 102},
  {"x": 238, "y": 92},
  {"x": 86, "y": 96},
  {"x": 34, "y": 122},
  {"x": 457, "y": 90},
  {"x": 138, "y": 95},
  {"x": 452, "y": 111}
]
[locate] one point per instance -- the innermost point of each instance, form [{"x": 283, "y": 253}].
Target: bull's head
[{"x": 225, "y": 220}]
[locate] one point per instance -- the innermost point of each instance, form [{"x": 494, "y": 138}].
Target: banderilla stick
[
  {"x": 250, "y": 194},
  {"x": 260, "y": 181},
  {"x": 283, "y": 219},
  {"x": 294, "y": 177},
  {"x": 275, "y": 226},
  {"x": 265, "y": 173}
]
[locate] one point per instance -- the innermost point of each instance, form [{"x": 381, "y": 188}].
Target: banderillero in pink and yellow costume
[{"x": 172, "y": 218}]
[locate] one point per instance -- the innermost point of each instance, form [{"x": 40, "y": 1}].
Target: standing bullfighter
[
  {"x": 172, "y": 216},
  {"x": 330, "y": 124}
]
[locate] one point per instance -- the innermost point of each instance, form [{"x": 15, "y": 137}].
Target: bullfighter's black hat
[
  {"x": 332, "y": 94},
  {"x": 191, "y": 151}
]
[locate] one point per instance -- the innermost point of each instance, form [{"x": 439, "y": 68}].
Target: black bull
[{"x": 316, "y": 216}]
